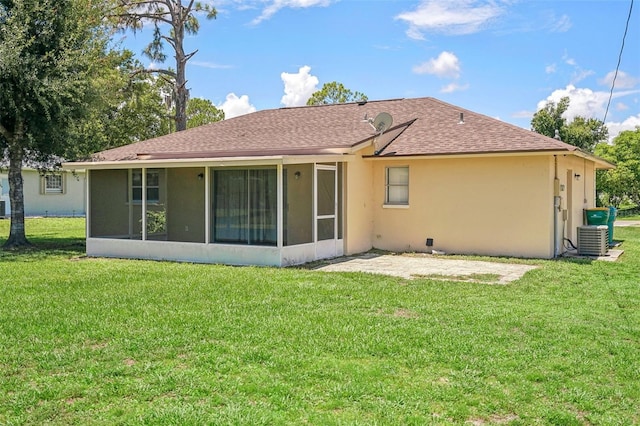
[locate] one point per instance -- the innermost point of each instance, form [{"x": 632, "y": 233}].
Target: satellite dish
[{"x": 382, "y": 122}]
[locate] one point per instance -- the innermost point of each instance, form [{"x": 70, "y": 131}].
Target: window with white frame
[
  {"x": 153, "y": 186},
  {"x": 53, "y": 184},
  {"x": 397, "y": 186}
]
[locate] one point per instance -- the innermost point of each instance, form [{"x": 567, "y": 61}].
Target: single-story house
[
  {"x": 292, "y": 185},
  {"x": 52, "y": 193}
]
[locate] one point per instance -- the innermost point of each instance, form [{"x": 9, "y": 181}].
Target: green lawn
[{"x": 94, "y": 341}]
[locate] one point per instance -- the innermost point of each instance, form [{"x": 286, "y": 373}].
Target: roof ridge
[
  {"x": 341, "y": 103},
  {"x": 513, "y": 126}
]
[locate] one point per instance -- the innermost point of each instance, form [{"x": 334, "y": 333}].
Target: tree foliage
[
  {"x": 49, "y": 49},
  {"x": 180, "y": 17},
  {"x": 585, "y": 133},
  {"x": 335, "y": 93},
  {"x": 201, "y": 112},
  {"x": 127, "y": 107},
  {"x": 623, "y": 182}
]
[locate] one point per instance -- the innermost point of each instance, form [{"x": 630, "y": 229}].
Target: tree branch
[
  {"x": 5, "y": 133},
  {"x": 189, "y": 55},
  {"x": 169, "y": 40},
  {"x": 157, "y": 71},
  {"x": 140, "y": 16}
]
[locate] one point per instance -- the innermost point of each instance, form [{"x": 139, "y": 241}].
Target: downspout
[{"x": 584, "y": 185}]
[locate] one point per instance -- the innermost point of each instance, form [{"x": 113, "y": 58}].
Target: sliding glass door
[{"x": 245, "y": 206}]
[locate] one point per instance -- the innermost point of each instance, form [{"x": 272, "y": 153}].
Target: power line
[{"x": 615, "y": 75}]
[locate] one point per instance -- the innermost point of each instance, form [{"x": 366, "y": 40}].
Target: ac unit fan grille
[{"x": 593, "y": 240}]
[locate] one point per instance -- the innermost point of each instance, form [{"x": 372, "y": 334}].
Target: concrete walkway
[
  {"x": 622, "y": 222},
  {"x": 412, "y": 266},
  {"x": 428, "y": 266}
]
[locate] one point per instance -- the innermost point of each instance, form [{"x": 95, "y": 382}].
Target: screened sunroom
[{"x": 233, "y": 213}]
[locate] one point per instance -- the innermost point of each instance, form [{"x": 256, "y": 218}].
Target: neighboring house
[
  {"x": 59, "y": 193},
  {"x": 291, "y": 185}
]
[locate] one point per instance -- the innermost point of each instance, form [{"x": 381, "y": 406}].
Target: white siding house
[{"x": 60, "y": 193}]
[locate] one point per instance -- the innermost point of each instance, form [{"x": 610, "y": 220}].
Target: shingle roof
[{"x": 427, "y": 126}]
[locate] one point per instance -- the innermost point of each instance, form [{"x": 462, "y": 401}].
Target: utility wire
[{"x": 615, "y": 75}]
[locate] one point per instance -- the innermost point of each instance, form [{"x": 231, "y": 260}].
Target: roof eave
[
  {"x": 210, "y": 162},
  {"x": 478, "y": 154}
]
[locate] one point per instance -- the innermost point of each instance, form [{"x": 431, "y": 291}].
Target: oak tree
[
  {"x": 202, "y": 111},
  {"x": 622, "y": 183},
  {"x": 335, "y": 93},
  {"x": 49, "y": 50},
  {"x": 585, "y": 133}
]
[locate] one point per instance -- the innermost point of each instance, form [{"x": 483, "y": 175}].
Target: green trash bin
[
  {"x": 613, "y": 212},
  {"x": 597, "y": 216}
]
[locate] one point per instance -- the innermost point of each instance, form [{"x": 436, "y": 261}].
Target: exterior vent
[{"x": 593, "y": 240}]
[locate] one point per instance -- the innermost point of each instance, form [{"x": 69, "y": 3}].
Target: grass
[
  {"x": 95, "y": 341},
  {"x": 485, "y": 278}
]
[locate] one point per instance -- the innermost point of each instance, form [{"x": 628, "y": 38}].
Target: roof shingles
[{"x": 434, "y": 129}]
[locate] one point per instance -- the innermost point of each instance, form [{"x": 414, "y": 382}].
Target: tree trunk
[
  {"x": 17, "y": 236},
  {"x": 182, "y": 94}
]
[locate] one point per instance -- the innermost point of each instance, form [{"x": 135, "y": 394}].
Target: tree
[
  {"x": 549, "y": 119},
  {"x": 623, "y": 182},
  {"x": 335, "y": 93},
  {"x": 585, "y": 133},
  {"x": 202, "y": 111},
  {"x": 181, "y": 18},
  {"x": 127, "y": 107},
  {"x": 48, "y": 51}
]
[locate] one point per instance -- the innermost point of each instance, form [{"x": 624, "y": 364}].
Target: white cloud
[
  {"x": 550, "y": 69},
  {"x": 563, "y": 24},
  {"x": 454, "y": 87},
  {"x": 621, "y": 106},
  {"x": 235, "y": 106},
  {"x": 623, "y": 80},
  {"x": 629, "y": 124},
  {"x": 579, "y": 74},
  {"x": 446, "y": 65},
  {"x": 568, "y": 60},
  {"x": 450, "y": 16},
  {"x": 583, "y": 102},
  {"x": 275, "y": 5},
  {"x": 587, "y": 103},
  {"x": 298, "y": 87},
  {"x": 212, "y": 65},
  {"x": 522, "y": 114}
]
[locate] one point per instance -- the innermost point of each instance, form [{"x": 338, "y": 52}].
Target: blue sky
[{"x": 502, "y": 58}]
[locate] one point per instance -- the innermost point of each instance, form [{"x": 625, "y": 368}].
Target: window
[
  {"x": 397, "y": 186},
  {"x": 53, "y": 184},
  {"x": 153, "y": 186}
]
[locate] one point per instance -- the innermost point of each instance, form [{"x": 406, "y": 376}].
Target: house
[
  {"x": 56, "y": 193},
  {"x": 292, "y": 185}
]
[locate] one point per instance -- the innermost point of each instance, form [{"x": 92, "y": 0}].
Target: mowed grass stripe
[{"x": 104, "y": 341}]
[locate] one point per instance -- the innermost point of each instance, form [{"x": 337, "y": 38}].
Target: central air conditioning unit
[{"x": 593, "y": 240}]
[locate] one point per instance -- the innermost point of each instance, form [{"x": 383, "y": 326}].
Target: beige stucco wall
[
  {"x": 577, "y": 191},
  {"x": 358, "y": 204},
  {"x": 491, "y": 206},
  {"x": 69, "y": 203}
]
